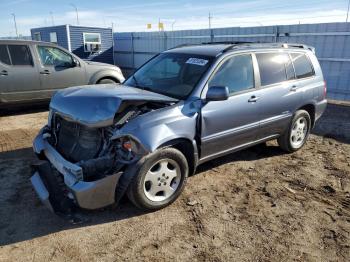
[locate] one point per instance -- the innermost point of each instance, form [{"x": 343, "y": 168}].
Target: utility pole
[
  {"x": 52, "y": 20},
  {"x": 210, "y": 31},
  {"x": 210, "y": 17},
  {"x": 76, "y": 11},
  {"x": 347, "y": 13},
  {"x": 173, "y": 23},
  {"x": 14, "y": 20}
]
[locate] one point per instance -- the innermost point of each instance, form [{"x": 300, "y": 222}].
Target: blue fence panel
[{"x": 331, "y": 40}]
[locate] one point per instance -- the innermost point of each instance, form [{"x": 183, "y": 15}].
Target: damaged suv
[{"x": 185, "y": 106}]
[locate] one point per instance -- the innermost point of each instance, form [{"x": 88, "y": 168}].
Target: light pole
[
  {"x": 209, "y": 20},
  {"x": 76, "y": 11},
  {"x": 14, "y": 20},
  {"x": 172, "y": 25},
  {"x": 347, "y": 14},
  {"x": 52, "y": 20}
]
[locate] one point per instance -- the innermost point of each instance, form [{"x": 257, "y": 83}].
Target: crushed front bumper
[{"x": 87, "y": 195}]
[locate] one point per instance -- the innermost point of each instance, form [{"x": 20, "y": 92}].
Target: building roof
[
  {"x": 21, "y": 41},
  {"x": 53, "y": 26}
]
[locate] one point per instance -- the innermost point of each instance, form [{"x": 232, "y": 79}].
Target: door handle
[
  {"x": 293, "y": 88},
  {"x": 4, "y": 73},
  {"x": 45, "y": 72},
  {"x": 253, "y": 99}
]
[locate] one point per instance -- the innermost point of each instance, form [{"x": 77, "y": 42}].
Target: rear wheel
[
  {"x": 159, "y": 179},
  {"x": 296, "y": 135},
  {"x": 107, "y": 81}
]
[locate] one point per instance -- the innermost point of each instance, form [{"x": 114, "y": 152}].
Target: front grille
[{"x": 76, "y": 142}]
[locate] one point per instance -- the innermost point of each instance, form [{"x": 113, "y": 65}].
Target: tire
[
  {"x": 296, "y": 135},
  {"x": 159, "y": 179},
  {"x": 107, "y": 81}
]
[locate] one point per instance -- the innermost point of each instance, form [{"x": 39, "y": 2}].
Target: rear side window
[
  {"x": 20, "y": 55},
  {"x": 302, "y": 65},
  {"x": 4, "y": 55},
  {"x": 274, "y": 68}
]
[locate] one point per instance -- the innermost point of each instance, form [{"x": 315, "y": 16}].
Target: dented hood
[{"x": 96, "y": 105}]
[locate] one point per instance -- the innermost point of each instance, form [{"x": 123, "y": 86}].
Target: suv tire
[
  {"x": 297, "y": 133},
  {"x": 159, "y": 179}
]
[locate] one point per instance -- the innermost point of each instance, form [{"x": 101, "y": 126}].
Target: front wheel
[
  {"x": 159, "y": 179},
  {"x": 296, "y": 135}
]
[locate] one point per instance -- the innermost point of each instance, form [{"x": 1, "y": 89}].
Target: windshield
[{"x": 171, "y": 74}]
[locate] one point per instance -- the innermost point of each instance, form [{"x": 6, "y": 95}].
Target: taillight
[{"x": 325, "y": 89}]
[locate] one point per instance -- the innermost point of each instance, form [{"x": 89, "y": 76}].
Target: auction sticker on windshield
[{"x": 196, "y": 61}]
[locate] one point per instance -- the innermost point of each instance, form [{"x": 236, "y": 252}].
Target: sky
[{"x": 131, "y": 16}]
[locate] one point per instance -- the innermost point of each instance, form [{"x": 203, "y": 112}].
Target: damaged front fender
[{"x": 158, "y": 127}]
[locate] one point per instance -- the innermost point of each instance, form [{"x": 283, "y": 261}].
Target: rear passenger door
[
  {"x": 19, "y": 78},
  {"x": 279, "y": 93}
]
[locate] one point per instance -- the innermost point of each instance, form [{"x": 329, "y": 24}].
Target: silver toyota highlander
[{"x": 185, "y": 106}]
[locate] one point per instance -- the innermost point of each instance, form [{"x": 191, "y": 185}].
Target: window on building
[
  {"x": 20, "y": 55},
  {"x": 53, "y": 37},
  {"x": 4, "y": 55},
  {"x": 236, "y": 73},
  {"x": 92, "y": 42},
  {"x": 302, "y": 65},
  {"x": 274, "y": 68},
  {"x": 37, "y": 36},
  {"x": 52, "y": 56}
]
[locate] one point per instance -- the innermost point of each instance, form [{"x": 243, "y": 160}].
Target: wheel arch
[
  {"x": 311, "y": 109},
  {"x": 188, "y": 148},
  {"x": 110, "y": 78},
  {"x": 105, "y": 74}
]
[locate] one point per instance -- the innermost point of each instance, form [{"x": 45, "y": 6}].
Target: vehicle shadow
[
  {"x": 334, "y": 123},
  {"x": 256, "y": 152},
  {"x": 24, "y": 109},
  {"x": 23, "y": 217}
]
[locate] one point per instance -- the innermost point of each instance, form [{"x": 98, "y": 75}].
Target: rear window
[
  {"x": 302, "y": 65},
  {"x": 20, "y": 55},
  {"x": 4, "y": 55},
  {"x": 274, "y": 68}
]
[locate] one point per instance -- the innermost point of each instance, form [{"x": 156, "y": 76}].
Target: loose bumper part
[{"x": 88, "y": 195}]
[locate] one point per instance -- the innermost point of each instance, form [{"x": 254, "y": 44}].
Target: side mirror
[
  {"x": 75, "y": 63},
  {"x": 217, "y": 93}
]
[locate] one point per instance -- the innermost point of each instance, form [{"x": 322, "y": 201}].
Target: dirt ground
[{"x": 256, "y": 205}]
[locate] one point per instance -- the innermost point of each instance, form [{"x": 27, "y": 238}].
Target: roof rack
[
  {"x": 239, "y": 44},
  {"x": 227, "y": 43},
  {"x": 214, "y": 43},
  {"x": 266, "y": 44}
]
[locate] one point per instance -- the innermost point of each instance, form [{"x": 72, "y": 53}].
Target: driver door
[
  {"x": 233, "y": 123},
  {"x": 58, "y": 70}
]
